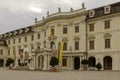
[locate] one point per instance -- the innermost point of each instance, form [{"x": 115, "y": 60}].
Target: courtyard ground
[{"x": 6, "y": 74}]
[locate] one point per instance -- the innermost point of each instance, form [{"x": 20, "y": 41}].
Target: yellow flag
[
  {"x": 14, "y": 53},
  {"x": 61, "y": 51}
]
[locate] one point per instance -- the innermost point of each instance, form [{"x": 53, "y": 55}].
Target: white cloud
[
  {"x": 19, "y": 13},
  {"x": 36, "y": 9}
]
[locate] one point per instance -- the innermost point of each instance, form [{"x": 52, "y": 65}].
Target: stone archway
[
  {"x": 1, "y": 63},
  {"x": 107, "y": 63},
  {"x": 40, "y": 61},
  {"x": 92, "y": 61},
  {"x": 76, "y": 63}
]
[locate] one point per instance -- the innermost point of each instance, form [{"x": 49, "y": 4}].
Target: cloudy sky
[{"x": 15, "y": 14}]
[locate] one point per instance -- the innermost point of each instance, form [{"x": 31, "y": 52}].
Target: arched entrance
[
  {"x": 40, "y": 61},
  {"x": 76, "y": 63},
  {"x": 107, "y": 63},
  {"x": 1, "y": 62},
  {"x": 92, "y": 61}
]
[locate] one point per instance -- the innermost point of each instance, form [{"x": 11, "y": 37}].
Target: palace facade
[{"x": 87, "y": 34}]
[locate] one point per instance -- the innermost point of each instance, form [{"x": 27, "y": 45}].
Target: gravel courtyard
[{"x": 6, "y": 74}]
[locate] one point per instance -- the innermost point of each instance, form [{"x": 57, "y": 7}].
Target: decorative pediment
[
  {"x": 10, "y": 34},
  {"x": 26, "y": 30},
  {"x": 64, "y": 39},
  {"x": 76, "y": 39},
  {"x": 107, "y": 35},
  {"x": 91, "y": 37},
  {"x": 15, "y": 32},
  {"x": 5, "y": 35},
  {"x": 58, "y": 24},
  {"x": 20, "y": 31},
  {"x": 52, "y": 37},
  {"x": 38, "y": 43}
]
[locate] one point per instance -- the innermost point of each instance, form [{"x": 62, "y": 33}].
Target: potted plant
[
  {"x": 53, "y": 63},
  {"x": 99, "y": 66},
  {"x": 9, "y": 62},
  {"x": 85, "y": 63}
]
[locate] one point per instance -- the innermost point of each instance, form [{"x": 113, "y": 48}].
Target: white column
[
  {"x": 68, "y": 62},
  {"x": 16, "y": 61},
  {"x": 115, "y": 62},
  {"x": 45, "y": 63},
  {"x": 80, "y": 63},
  {"x": 71, "y": 62},
  {"x": 48, "y": 62}
]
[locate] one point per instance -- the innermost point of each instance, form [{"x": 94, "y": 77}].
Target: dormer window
[
  {"x": 15, "y": 32},
  {"x": 26, "y": 29},
  {"x": 20, "y": 31},
  {"x": 91, "y": 13},
  {"x": 106, "y": 9}
]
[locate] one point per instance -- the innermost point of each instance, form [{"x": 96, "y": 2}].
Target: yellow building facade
[{"x": 87, "y": 34}]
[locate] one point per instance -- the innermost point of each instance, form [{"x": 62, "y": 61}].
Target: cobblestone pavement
[{"x": 6, "y": 74}]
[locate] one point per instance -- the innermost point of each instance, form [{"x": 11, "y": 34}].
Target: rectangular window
[
  {"x": 91, "y": 27},
  {"x": 13, "y": 41},
  {"x": 64, "y": 30},
  {"x": 91, "y": 43},
  {"x": 76, "y": 45},
  {"x": 9, "y": 52},
  {"x": 1, "y": 52},
  {"x": 38, "y": 36},
  {"x": 25, "y": 39},
  {"x": 32, "y": 47},
  {"x": 45, "y": 33},
  {"x": 76, "y": 29},
  {"x": 38, "y": 47},
  {"x": 107, "y": 24},
  {"x": 19, "y": 40},
  {"x": 107, "y": 43},
  {"x": 52, "y": 31},
  {"x": 64, "y": 63},
  {"x": 32, "y": 38},
  {"x": 8, "y": 41},
  {"x": 65, "y": 46}
]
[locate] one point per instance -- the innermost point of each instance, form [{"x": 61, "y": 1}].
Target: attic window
[
  {"x": 106, "y": 9},
  {"x": 91, "y": 13}
]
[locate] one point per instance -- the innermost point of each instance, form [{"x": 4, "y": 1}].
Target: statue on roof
[
  {"x": 71, "y": 9},
  {"x": 59, "y": 9},
  {"x": 35, "y": 20},
  {"x": 83, "y": 5},
  {"x": 47, "y": 13}
]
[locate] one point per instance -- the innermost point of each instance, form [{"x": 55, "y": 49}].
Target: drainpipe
[{"x": 86, "y": 39}]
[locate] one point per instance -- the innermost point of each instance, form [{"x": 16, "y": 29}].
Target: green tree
[
  {"x": 99, "y": 66},
  {"x": 85, "y": 63},
  {"x": 9, "y": 61},
  {"x": 53, "y": 61}
]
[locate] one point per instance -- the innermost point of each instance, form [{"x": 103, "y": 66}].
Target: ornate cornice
[{"x": 61, "y": 15}]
